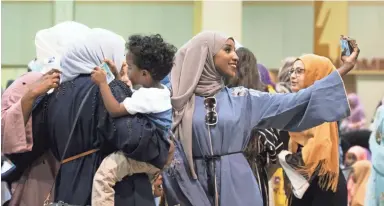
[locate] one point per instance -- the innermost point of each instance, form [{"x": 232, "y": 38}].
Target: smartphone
[
  {"x": 110, "y": 77},
  {"x": 7, "y": 167},
  {"x": 345, "y": 47}
]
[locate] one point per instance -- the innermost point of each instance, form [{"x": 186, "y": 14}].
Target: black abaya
[{"x": 135, "y": 135}]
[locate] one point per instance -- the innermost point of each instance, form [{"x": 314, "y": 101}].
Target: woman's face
[
  {"x": 297, "y": 76},
  {"x": 350, "y": 159},
  {"x": 226, "y": 59}
]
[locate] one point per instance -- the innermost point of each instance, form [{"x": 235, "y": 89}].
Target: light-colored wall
[
  {"x": 21, "y": 20},
  {"x": 220, "y": 20},
  {"x": 274, "y": 31},
  {"x": 174, "y": 21},
  {"x": 19, "y": 23},
  {"x": 366, "y": 24},
  {"x": 370, "y": 89}
]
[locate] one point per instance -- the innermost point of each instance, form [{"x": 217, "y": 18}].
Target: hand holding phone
[
  {"x": 345, "y": 47},
  {"x": 349, "y": 55},
  {"x": 348, "y": 47},
  {"x": 110, "y": 77}
]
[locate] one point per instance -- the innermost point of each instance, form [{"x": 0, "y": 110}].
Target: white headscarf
[
  {"x": 51, "y": 44},
  {"x": 87, "y": 53}
]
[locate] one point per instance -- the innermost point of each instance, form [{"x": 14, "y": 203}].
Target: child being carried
[{"x": 152, "y": 99}]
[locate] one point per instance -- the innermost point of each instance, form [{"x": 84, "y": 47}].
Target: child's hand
[
  {"x": 113, "y": 68},
  {"x": 48, "y": 81},
  {"x": 157, "y": 185},
  {"x": 99, "y": 76}
]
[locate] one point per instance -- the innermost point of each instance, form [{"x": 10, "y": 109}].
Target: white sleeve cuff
[{"x": 298, "y": 182}]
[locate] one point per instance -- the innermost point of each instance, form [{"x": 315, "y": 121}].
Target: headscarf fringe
[{"x": 327, "y": 180}]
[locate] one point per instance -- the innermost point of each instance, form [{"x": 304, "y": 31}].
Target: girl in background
[
  {"x": 360, "y": 174},
  {"x": 354, "y": 154}
]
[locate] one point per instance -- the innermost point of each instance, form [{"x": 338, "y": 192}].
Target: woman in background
[
  {"x": 354, "y": 154},
  {"x": 265, "y": 77},
  {"x": 256, "y": 154},
  {"x": 30, "y": 186},
  {"x": 96, "y": 134},
  {"x": 325, "y": 182},
  {"x": 360, "y": 174},
  {"x": 381, "y": 102},
  {"x": 356, "y": 121},
  {"x": 247, "y": 74},
  {"x": 32, "y": 180},
  {"x": 375, "y": 188},
  {"x": 283, "y": 77},
  {"x": 280, "y": 187}
]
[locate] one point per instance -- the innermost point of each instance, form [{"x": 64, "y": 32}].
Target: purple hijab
[
  {"x": 264, "y": 75},
  {"x": 357, "y": 111}
]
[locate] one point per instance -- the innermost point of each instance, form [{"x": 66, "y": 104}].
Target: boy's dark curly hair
[{"x": 152, "y": 53}]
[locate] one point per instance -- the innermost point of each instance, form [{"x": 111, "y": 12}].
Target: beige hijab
[
  {"x": 361, "y": 170},
  {"x": 194, "y": 73}
]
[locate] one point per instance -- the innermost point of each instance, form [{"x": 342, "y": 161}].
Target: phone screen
[
  {"x": 6, "y": 167},
  {"x": 110, "y": 76},
  {"x": 345, "y": 47}
]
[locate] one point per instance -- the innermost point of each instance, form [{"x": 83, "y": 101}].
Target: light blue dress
[
  {"x": 375, "y": 188},
  {"x": 239, "y": 110}
]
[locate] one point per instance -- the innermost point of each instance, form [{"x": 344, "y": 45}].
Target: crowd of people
[{"x": 98, "y": 120}]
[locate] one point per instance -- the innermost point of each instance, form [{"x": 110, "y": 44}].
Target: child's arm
[{"x": 114, "y": 108}]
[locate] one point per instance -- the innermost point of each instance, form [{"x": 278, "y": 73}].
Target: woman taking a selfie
[{"x": 213, "y": 122}]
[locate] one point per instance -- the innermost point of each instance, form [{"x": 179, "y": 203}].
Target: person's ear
[{"x": 144, "y": 72}]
